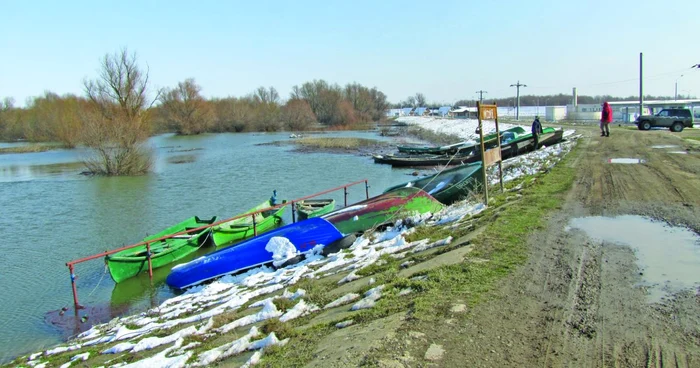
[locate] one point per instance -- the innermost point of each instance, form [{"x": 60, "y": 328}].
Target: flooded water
[
  {"x": 626, "y": 161},
  {"x": 664, "y": 146},
  {"x": 668, "y": 257},
  {"x": 51, "y": 214}
]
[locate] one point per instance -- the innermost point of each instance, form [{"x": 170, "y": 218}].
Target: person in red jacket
[{"x": 605, "y": 120}]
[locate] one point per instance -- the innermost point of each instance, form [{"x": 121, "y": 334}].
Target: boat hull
[
  {"x": 418, "y": 161},
  {"x": 450, "y": 185},
  {"x": 382, "y": 209},
  {"x": 314, "y": 208},
  {"x": 130, "y": 262},
  {"x": 242, "y": 228},
  {"x": 304, "y": 235}
]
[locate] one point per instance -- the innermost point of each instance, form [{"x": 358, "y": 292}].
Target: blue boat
[{"x": 304, "y": 235}]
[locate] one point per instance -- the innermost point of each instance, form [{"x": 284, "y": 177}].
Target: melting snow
[
  {"x": 344, "y": 324},
  {"x": 282, "y": 250},
  {"x": 370, "y": 299},
  {"x": 253, "y": 360},
  {"x": 269, "y": 311},
  {"x": 226, "y": 350},
  {"x": 347, "y": 298},
  {"x": 300, "y": 309}
]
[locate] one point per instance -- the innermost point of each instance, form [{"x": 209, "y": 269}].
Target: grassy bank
[
  {"x": 335, "y": 143},
  {"x": 30, "y": 148}
]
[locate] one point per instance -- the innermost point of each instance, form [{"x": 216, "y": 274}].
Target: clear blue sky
[{"x": 444, "y": 49}]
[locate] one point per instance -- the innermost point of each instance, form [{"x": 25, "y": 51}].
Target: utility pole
[
  {"x": 517, "y": 110},
  {"x": 675, "y": 96},
  {"x": 641, "y": 90},
  {"x": 481, "y": 95}
]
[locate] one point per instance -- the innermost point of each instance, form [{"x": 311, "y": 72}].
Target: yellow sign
[
  {"x": 491, "y": 156},
  {"x": 488, "y": 112}
]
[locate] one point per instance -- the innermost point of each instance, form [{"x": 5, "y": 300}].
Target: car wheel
[
  {"x": 677, "y": 127},
  {"x": 646, "y": 125}
]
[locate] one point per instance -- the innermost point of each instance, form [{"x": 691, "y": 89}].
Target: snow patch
[
  {"x": 300, "y": 309},
  {"x": 282, "y": 250},
  {"x": 347, "y": 298}
]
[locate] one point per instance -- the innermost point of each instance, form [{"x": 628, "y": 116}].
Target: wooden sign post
[{"x": 489, "y": 112}]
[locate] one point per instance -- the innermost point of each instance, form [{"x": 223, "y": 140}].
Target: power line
[{"x": 481, "y": 95}]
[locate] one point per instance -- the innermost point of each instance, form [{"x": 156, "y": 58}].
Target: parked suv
[{"x": 675, "y": 119}]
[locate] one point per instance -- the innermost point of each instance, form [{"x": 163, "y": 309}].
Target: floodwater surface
[
  {"x": 626, "y": 161},
  {"x": 669, "y": 257},
  {"x": 51, "y": 214}
]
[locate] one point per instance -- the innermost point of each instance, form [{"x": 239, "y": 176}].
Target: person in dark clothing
[
  {"x": 605, "y": 120},
  {"x": 273, "y": 199},
  {"x": 536, "y": 131}
]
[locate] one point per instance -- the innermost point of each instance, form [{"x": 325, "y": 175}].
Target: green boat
[
  {"x": 128, "y": 263},
  {"x": 241, "y": 228},
  {"x": 489, "y": 141},
  {"x": 435, "y": 150},
  {"x": 450, "y": 185},
  {"x": 383, "y": 209},
  {"x": 309, "y": 208},
  {"x": 515, "y": 144}
]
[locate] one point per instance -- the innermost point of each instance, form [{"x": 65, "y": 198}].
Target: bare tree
[
  {"x": 266, "y": 95},
  {"x": 411, "y": 101},
  {"x": 117, "y": 123},
  {"x": 186, "y": 109},
  {"x": 297, "y": 115},
  {"x": 6, "y": 106},
  {"x": 420, "y": 100}
]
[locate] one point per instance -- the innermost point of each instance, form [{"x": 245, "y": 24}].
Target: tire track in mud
[{"x": 584, "y": 294}]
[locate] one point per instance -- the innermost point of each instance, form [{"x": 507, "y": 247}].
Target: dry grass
[
  {"x": 330, "y": 143},
  {"x": 29, "y": 148}
]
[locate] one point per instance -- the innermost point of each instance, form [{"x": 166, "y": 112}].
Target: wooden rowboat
[
  {"x": 245, "y": 227},
  {"x": 309, "y": 208},
  {"x": 128, "y": 263},
  {"x": 450, "y": 185}
]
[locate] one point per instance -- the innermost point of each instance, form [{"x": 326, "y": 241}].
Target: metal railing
[{"x": 71, "y": 264}]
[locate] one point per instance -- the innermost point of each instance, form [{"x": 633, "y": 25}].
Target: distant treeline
[
  {"x": 182, "y": 109},
  {"x": 561, "y": 99}
]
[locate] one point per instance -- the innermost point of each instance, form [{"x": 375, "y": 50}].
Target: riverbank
[
  {"x": 29, "y": 148},
  {"x": 205, "y": 323}
]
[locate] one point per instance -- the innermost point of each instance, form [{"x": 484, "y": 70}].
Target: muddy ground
[{"x": 576, "y": 301}]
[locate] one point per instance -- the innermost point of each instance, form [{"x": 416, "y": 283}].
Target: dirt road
[{"x": 576, "y": 302}]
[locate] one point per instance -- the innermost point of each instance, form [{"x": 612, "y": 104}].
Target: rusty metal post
[
  {"x": 294, "y": 209},
  {"x": 366, "y": 189},
  {"x": 483, "y": 155},
  {"x": 500, "y": 162},
  {"x": 75, "y": 291},
  {"x": 345, "y": 192},
  {"x": 255, "y": 227},
  {"x": 150, "y": 264}
]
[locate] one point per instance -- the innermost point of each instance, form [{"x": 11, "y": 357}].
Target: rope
[{"x": 98, "y": 283}]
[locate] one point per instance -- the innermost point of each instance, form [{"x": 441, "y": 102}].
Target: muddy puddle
[
  {"x": 668, "y": 257},
  {"x": 664, "y": 146},
  {"x": 626, "y": 161}
]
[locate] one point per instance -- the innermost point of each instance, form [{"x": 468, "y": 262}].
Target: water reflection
[{"x": 69, "y": 170}]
